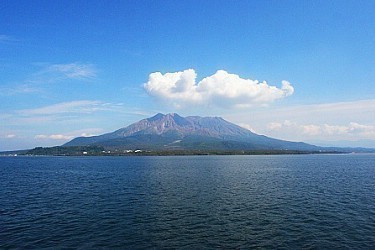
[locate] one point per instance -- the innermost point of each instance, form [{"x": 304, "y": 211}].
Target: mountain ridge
[{"x": 172, "y": 131}]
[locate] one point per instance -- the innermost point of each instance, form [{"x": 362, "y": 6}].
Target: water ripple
[{"x": 235, "y": 202}]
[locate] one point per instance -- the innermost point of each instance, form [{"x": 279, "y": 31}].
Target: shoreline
[{"x": 183, "y": 153}]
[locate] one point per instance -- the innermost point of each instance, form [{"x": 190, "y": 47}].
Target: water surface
[{"x": 285, "y": 201}]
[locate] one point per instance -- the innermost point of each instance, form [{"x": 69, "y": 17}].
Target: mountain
[{"x": 173, "y": 132}]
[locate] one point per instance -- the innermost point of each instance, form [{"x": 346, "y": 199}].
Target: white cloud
[
  {"x": 247, "y": 126},
  {"x": 86, "y": 132},
  {"x": 54, "y": 137},
  {"x": 274, "y": 126},
  {"x": 311, "y": 129},
  {"x": 335, "y": 129},
  {"x": 327, "y": 122},
  {"x": 49, "y": 74},
  {"x": 363, "y": 130},
  {"x": 73, "y": 70},
  {"x": 221, "y": 89},
  {"x": 70, "y": 135},
  {"x": 61, "y": 114},
  {"x": 81, "y": 106},
  {"x": 8, "y": 136},
  {"x": 19, "y": 89},
  {"x": 53, "y": 73},
  {"x": 349, "y": 131}
]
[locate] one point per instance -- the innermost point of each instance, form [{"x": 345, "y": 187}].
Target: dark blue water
[{"x": 306, "y": 201}]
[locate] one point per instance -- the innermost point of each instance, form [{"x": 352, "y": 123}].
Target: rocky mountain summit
[{"x": 174, "y": 132}]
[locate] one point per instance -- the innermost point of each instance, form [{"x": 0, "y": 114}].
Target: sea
[{"x": 188, "y": 202}]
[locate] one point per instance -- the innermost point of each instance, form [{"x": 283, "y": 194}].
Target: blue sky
[{"x": 295, "y": 70}]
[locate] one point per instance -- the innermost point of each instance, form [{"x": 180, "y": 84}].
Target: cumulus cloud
[{"x": 220, "y": 89}]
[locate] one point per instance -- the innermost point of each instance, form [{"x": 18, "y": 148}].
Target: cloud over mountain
[{"x": 221, "y": 89}]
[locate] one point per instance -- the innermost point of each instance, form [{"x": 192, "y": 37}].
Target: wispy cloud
[
  {"x": 73, "y": 70},
  {"x": 74, "y": 113},
  {"x": 221, "y": 89},
  {"x": 80, "y": 107},
  {"x": 54, "y": 137},
  {"x": 68, "y": 113},
  {"x": 59, "y": 72},
  {"x": 352, "y": 120},
  {"x": 339, "y": 112},
  {"x": 49, "y": 74},
  {"x": 70, "y": 135},
  {"x": 8, "y": 136},
  {"x": 19, "y": 89},
  {"x": 353, "y": 130},
  {"x": 6, "y": 38}
]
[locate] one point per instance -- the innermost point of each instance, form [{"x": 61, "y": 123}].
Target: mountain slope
[{"x": 171, "y": 131}]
